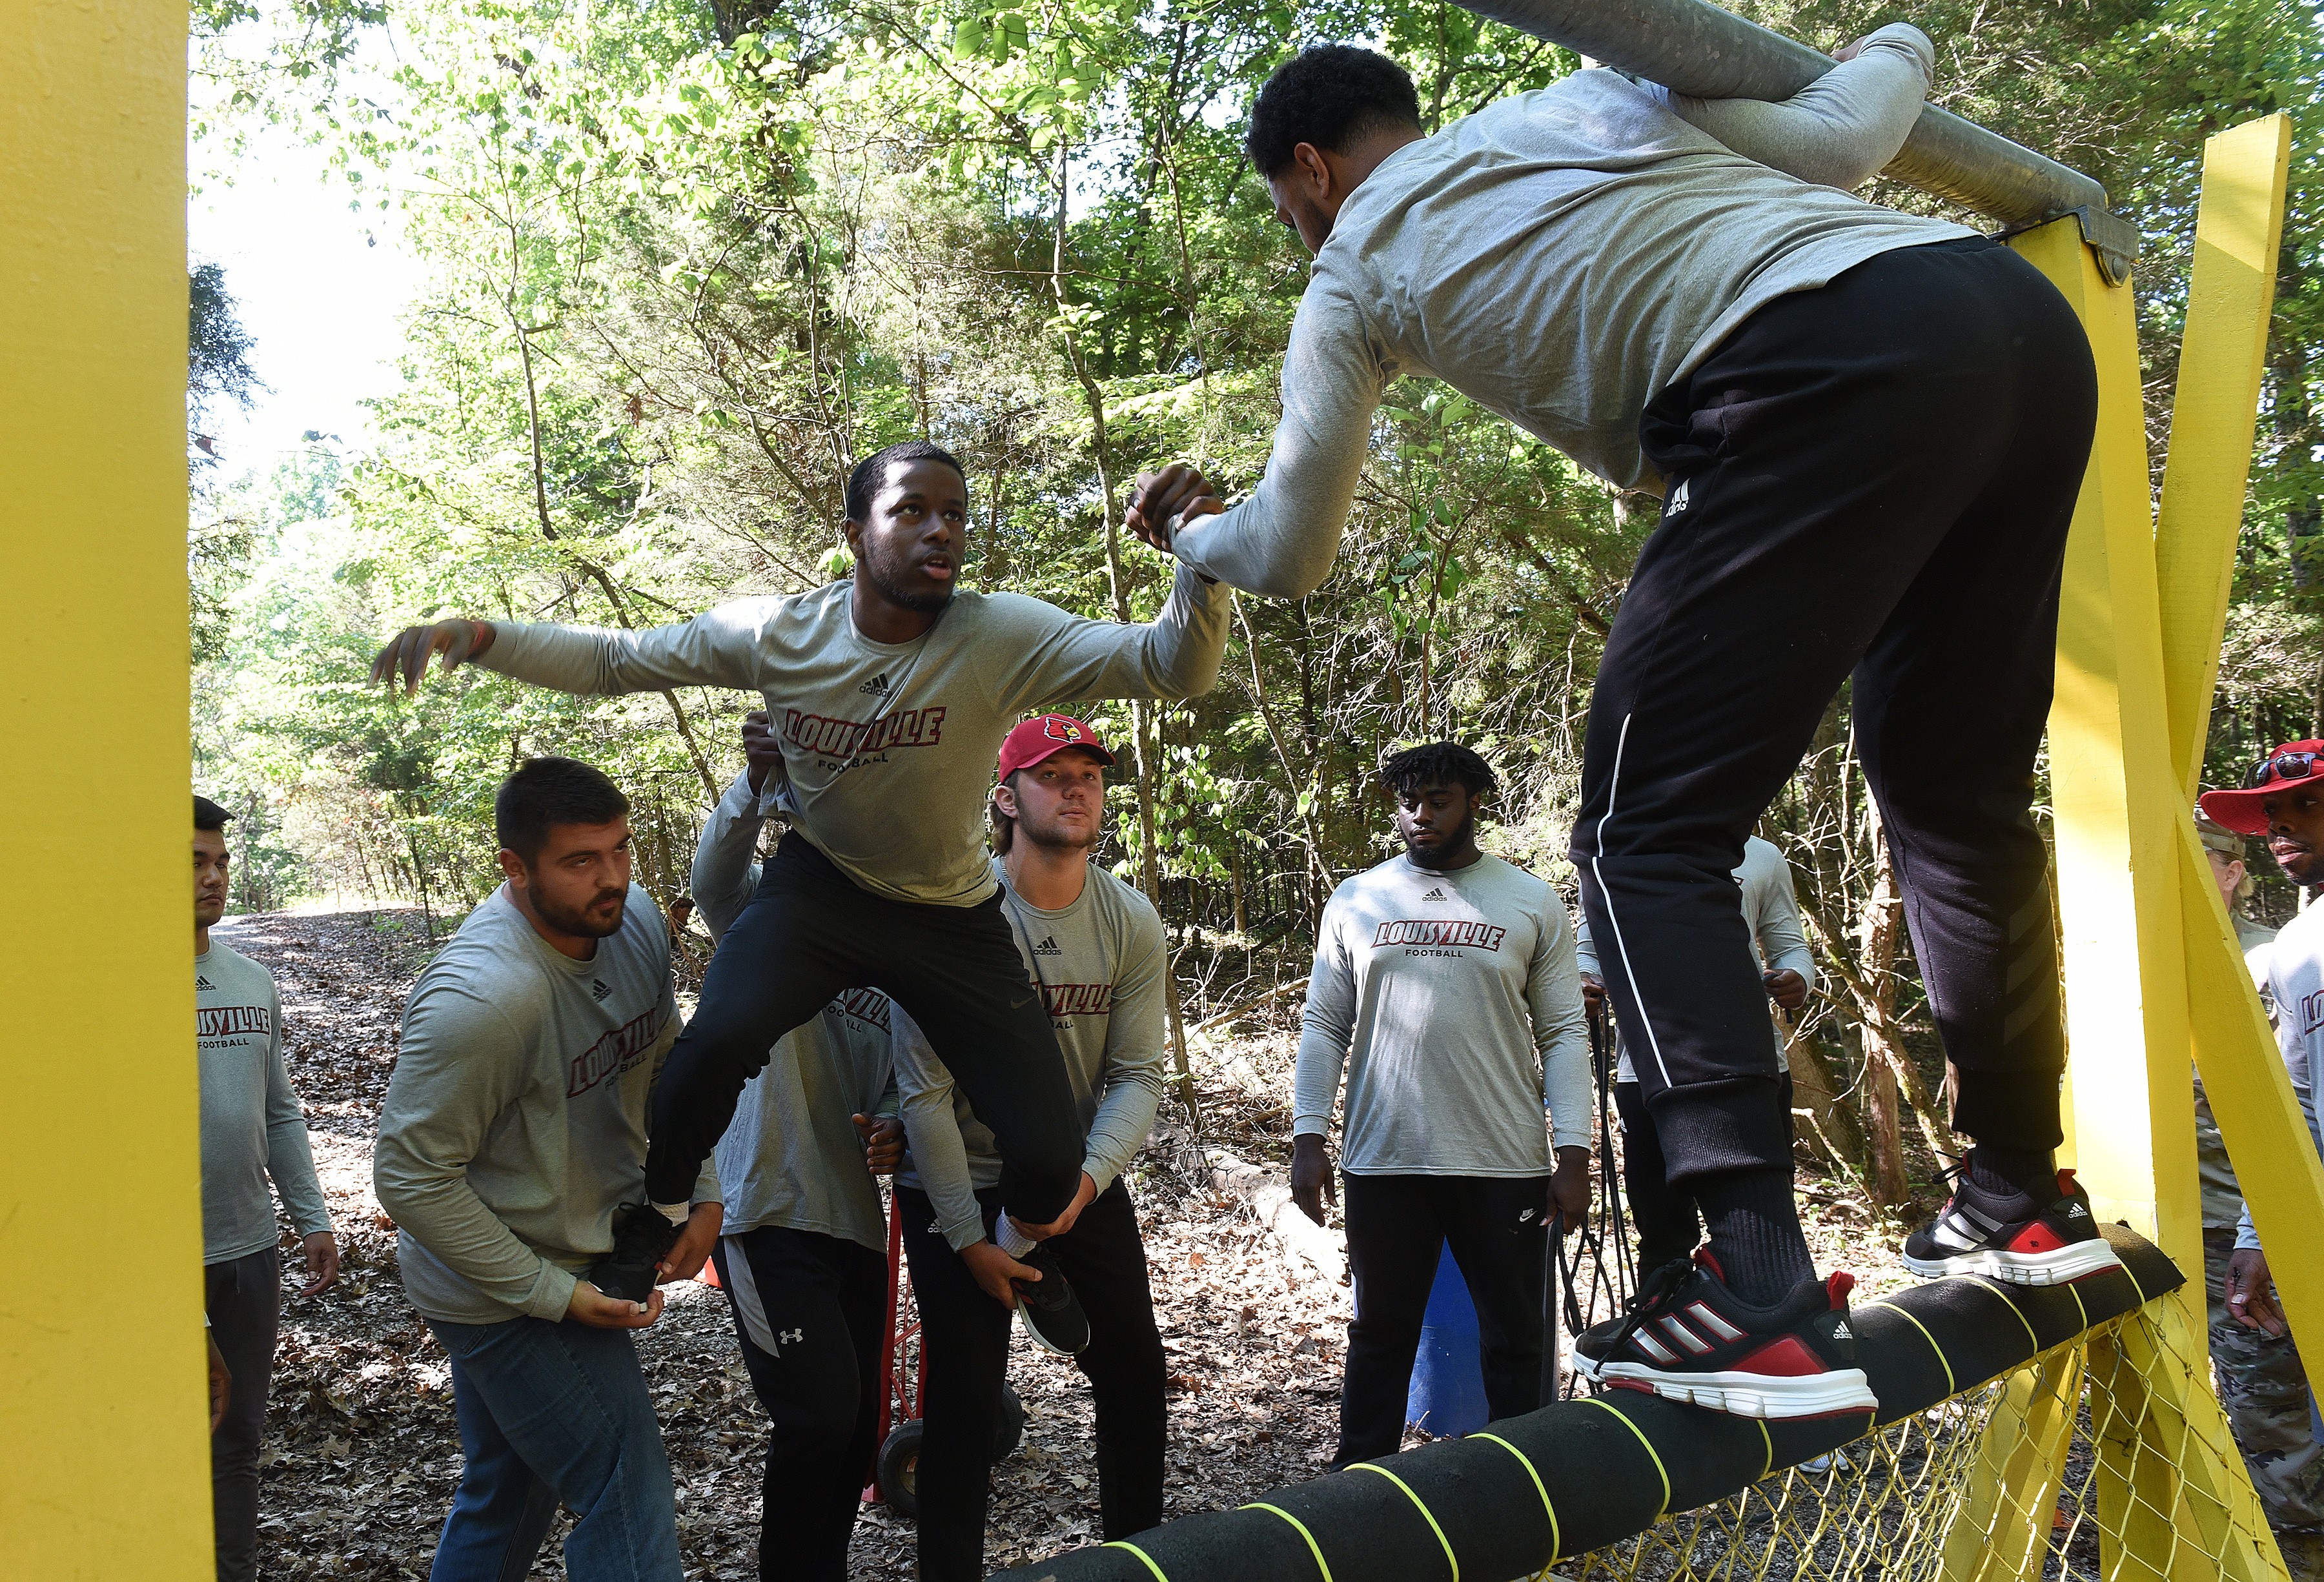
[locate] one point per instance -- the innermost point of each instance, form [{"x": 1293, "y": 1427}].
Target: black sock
[
  {"x": 1754, "y": 1233},
  {"x": 2011, "y": 1172}
]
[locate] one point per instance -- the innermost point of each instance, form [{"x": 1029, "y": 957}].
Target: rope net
[{"x": 2092, "y": 1461}]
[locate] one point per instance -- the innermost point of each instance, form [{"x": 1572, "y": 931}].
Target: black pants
[
  {"x": 1872, "y": 479},
  {"x": 1664, "y": 1214},
  {"x": 809, "y": 1310},
  {"x": 243, "y": 1299},
  {"x": 967, "y": 1334},
  {"x": 1397, "y": 1225},
  {"x": 812, "y": 931}
]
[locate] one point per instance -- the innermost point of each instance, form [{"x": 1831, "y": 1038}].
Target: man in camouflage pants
[{"x": 2260, "y": 1381}]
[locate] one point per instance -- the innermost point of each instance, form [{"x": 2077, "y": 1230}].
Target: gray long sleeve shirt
[
  {"x": 515, "y": 1123},
  {"x": 2295, "y": 980},
  {"x": 1450, "y": 999},
  {"x": 253, "y": 1127},
  {"x": 1101, "y": 966},
  {"x": 792, "y": 1156},
  {"x": 1771, "y": 911},
  {"x": 1559, "y": 258},
  {"x": 888, "y": 747}
]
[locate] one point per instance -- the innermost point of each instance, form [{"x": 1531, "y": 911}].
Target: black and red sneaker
[
  {"x": 2012, "y": 1237},
  {"x": 1689, "y": 1338}
]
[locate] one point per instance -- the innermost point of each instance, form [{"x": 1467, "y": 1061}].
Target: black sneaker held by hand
[
  {"x": 2012, "y": 1236},
  {"x": 641, "y": 1240},
  {"x": 1051, "y": 1313},
  {"x": 1689, "y": 1338}
]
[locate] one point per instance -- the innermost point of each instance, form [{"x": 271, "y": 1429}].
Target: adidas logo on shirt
[
  {"x": 1049, "y": 947},
  {"x": 1677, "y": 501},
  {"x": 1435, "y": 894},
  {"x": 878, "y": 684},
  {"x": 202, "y": 983},
  {"x": 599, "y": 989}
]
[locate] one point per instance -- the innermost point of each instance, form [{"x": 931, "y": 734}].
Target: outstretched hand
[
  {"x": 1164, "y": 500},
  {"x": 458, "y": 640}
]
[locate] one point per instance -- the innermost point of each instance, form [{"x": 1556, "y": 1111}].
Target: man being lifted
[
  {"x": 1868, "y": 430},
  {"x": 889, "y": 694}
]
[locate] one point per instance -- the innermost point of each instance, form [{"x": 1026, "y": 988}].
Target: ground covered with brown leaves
[{"x": 362, "y": 1452}]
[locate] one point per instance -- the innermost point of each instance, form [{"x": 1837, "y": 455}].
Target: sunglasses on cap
[{"x": 2283, "y": 765}]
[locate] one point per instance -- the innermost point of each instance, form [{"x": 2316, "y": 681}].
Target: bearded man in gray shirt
[
  {"x": 1444, "y": 990},
  {"x": 514, "y": 1130},
  {"x": 1870, "y": 430},
  {"x": 890, "y": 692}
]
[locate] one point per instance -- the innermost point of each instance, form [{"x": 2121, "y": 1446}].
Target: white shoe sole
[
  {"x": 2060, "y": 1266},
  {"x": 1743, "y": 1394}
]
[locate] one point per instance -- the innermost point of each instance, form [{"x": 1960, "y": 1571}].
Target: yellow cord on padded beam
[
  {"x": 1556, "y": 1540},
  {"x": 1301, "y": 1528},
  {"x": 1418, "y": 1504},
  {"x": 1142, "y": 1555},
  {"x": 1952, "y": 1385},
  {"x": 1637, "y": 1433}
]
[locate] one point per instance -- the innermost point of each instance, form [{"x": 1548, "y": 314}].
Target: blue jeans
[{"x": 555, "y": 1414}]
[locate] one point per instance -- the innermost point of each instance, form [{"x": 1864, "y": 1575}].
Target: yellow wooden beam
[
  {"x": 2117, "y": 808},
  {"x": 104, "y": 1433},
  {"x": 2223, "y": 351},
  {"x": 2172, "y": 1490}
]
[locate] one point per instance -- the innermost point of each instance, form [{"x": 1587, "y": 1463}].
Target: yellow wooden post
[
  {"x": 104, "y": 1440},
  {"x": 2117, "y": 807},
  {"x": 2222, "y": 352},
  {"x": 2239, "y": 229}
]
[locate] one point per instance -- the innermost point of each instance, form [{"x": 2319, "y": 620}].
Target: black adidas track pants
[{"x": 1872, "y": 480}]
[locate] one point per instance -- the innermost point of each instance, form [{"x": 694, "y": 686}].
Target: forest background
[{"x": 683, "y": 262}]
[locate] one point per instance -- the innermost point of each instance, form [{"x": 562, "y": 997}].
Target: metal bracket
[{"x": 2112, "y": 238}]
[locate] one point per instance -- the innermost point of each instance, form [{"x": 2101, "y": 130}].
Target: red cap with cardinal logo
[{"x": 1044, "y": 736}]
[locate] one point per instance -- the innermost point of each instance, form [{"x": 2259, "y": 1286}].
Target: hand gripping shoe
[
  {"x": 1051, "y": 1313},
  {"x": 641, "y": 1240},
  {"x": 2011, "y": 1238},
  {"x": 1689, "y": 1338}
]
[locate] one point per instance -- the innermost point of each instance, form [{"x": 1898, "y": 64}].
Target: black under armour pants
[
  {"x": 1397, "y": 1227},
  {"x": 809, "y": 1310},
  {"x": 810, "y": 933},
  {"x": 1871, "y": 480},
  {"x": 967, "y": 1334}
]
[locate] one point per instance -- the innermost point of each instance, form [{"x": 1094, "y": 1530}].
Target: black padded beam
[{"x": 1579, "y": 1474}]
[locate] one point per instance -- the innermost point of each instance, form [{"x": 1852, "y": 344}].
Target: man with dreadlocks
[{"x": 1444, "y": 990}]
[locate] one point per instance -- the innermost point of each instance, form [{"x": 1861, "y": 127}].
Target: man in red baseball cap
[
  {"x": 2282, "y": 800},
  {"x": 1095, "y": 950}
]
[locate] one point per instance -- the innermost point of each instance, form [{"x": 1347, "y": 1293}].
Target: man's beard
[
  {"x": 1456, "y": 840},
  {"x": 1056, "y": 837},
  {"x": 884, "y": 577},
  {"x": 578, "y": 923}
]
